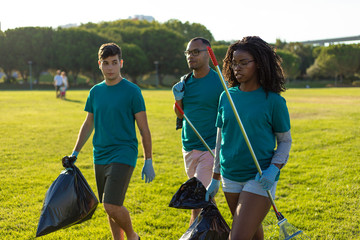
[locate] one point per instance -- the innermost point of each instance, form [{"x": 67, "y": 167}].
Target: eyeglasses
[
  {"x": 243, "y": 63},
  {"x": 194, "y": 52}
]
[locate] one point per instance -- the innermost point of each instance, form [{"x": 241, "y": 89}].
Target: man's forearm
[
  {"x": 178, "y": 114},
  {"x": 84, "y": 134},
  {"x": 144, "y": 130},
  {"x": 146, "y": 142}
]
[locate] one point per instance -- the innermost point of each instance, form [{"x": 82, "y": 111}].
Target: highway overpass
[{"x": 322, "y": 42}]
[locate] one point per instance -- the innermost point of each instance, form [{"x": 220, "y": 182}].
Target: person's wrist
[
  {"x": 216, "y": 176},
  {"x": 274, "y": 168},
  {"x": 75, "y": 153},
  {"x": 279, "y": 166}
]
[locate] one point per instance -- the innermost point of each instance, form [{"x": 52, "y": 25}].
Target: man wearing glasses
[{"x": 198, "y": 94}]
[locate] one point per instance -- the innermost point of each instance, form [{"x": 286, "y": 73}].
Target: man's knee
[
  {"x": 195, "y": 212},
  {"x": 112, "y": 209}
]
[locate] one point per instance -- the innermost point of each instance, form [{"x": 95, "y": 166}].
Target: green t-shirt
[
  {"x": 200, "y": 103},
  {"x": 114, "y": 109},
  {"x": 261, "y": 117}
]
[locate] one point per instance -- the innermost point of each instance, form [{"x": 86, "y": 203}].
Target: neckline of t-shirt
[{"x": 114, "y": 84}]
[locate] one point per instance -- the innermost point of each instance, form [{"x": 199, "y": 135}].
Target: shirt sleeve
[
  {"x": 282, "y": 151},
  {"x": 280, "y": 116},
  {"x": 216, "y": 168},
  {"x": 219, "y": 122},
  {"x": 138, "y": 103},
  {"x": 88, "y": 105}
]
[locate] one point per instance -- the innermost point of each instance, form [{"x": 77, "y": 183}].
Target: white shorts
[
  {"x": 251, "y": 186},
  {"x": 199, "y": 164}
]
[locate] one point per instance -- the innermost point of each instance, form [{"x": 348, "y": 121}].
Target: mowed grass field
[{"x": 318, "y": 190}]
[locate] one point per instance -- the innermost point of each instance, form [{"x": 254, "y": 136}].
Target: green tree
[
  {"x": 305, "y": 52},
  {"x": 28, "y": 44},
  {"x": 124, "y": 30},
  {"x": 339, "y": 61},
  {"x": 220, "y": 52},
  {"x": 165, "y": 46},
  {"x": 357, "y": 47},
  {"x": 7, "y": 61},
  {"x": 189, "y": 30},
  {"x": 132, "y": 35},
  {"x": 76, "y": 52},
  {"x": 161, "y": 42},
  {"x": 135, "y": 61},
  {"x": 291, "y": 63},
  {"x": 347, "y": 59},
  {"x": 139, "y": 24},
  {"x": 280, "y": 44}
]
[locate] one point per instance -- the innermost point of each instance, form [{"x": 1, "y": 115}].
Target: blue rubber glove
[
  {"x": 212, "y": 189},
  {"x": 268, "y": 177},
  {"x": 178, "y": 90},
  {"x": 148, "y": 171}
]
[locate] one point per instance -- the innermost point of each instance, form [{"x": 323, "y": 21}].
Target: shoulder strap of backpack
[{"x": 185, "y": 77}]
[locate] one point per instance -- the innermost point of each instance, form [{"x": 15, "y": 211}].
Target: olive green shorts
[{"x": 112, "y": 181}]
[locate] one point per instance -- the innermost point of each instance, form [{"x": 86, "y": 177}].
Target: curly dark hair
[{"x": 270, "y": 73}]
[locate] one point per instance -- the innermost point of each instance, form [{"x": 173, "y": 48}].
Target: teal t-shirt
[
  {"x": 261, "y": 117},
  {"x": 114, "y": 109},
  {"x": 200, "y": 103}
]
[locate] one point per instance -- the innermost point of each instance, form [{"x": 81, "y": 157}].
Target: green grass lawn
[{"x": 318, "y": 191}]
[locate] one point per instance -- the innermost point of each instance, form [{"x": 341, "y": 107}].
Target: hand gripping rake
[{"x": 287, "y": 231}]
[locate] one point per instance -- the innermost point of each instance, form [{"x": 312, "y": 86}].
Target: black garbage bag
[
  {"x": 209, "y": 225},
  {"x": 68, "y": 201},
  {"x": 191, "y": 195}
]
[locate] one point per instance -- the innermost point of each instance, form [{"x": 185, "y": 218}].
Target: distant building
[
  {"x": 70, "y": 25},
  {"x": 142, "y": 17}
]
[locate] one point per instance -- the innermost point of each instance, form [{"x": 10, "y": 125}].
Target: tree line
[{"x": 147, "y": 45}]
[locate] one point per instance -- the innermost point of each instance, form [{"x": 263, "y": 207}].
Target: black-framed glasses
[
  {"x": 242, "y": 63},
  {"x": 194, "y": 52}
]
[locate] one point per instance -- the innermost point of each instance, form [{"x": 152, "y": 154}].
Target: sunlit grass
[{"x": 317, "y": 192}]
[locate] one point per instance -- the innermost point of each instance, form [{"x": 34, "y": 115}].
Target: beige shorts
[
  {"x": 199, "y": 164},
  {"x": 251, "y": 186}
]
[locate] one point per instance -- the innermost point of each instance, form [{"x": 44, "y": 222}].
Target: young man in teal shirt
[
  {"x": 199, "y": 96},
  {"x": 112, "y": 108}
]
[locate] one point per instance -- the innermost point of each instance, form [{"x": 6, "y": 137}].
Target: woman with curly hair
[{"x": 255, "y": 77}]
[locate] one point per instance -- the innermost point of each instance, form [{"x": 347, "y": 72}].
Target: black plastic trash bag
[
  {"x": 68, "y": 201},
  {"x": 191, "y": 195},
  {"x": 209, "y": 225}
]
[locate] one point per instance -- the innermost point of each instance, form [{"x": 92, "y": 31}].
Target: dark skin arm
[{"x": 178, "y": 114}]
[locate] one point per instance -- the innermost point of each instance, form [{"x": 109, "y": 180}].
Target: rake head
[{"x": 288, "y": 231}]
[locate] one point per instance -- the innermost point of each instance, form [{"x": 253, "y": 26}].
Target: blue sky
[{"x": 288, "y": 20}]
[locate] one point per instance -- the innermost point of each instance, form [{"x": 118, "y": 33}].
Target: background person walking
[
  {"x": 65, "y": 83},
  {"x": 58, "y": 81}
]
